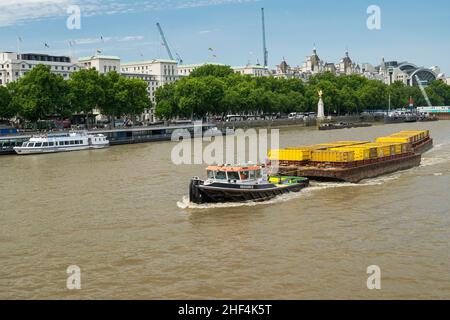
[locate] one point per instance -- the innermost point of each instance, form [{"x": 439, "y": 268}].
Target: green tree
[
  {"x": 86, "y": 91},
  {"x": 39, "y": 94},
  {"x": 212, "y": 70},
  {"x": 440, "y": 91},
  {"x": 131, "y": 96},
  {"x": 6, "y": 108},
  {"x": 166, "y": 102}
]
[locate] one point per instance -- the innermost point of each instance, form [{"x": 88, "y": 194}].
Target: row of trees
[
  {"x": 40, "y": 94},
  {"x": 217, "y": 90}
]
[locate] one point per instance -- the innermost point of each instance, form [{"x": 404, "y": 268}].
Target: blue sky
[{"x": 417, "y": 31}]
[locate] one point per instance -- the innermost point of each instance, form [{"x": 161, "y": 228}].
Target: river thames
[{"x": 121, "y": 215}]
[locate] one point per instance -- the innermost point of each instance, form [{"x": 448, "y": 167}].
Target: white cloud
[
  {"x": 14, "y": 11},
  {"x": 88, "y": 41},
  {"x": 23, "y": 11},
  {"x": 130, "y": 38}
]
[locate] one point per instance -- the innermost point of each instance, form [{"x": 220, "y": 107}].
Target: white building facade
[
  {"x": 13, "y": 66},
  {"x": 253, "y": 70},
  {"x": 156, "y": 73},
  {"x": 406, "y": 72},
  {"x": 103, "y": 64}
]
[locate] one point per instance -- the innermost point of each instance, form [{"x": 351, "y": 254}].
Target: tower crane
[{"x": 163, "y": 37}]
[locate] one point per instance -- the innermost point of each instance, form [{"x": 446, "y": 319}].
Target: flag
[
  {"x": 20, "y": 39},
  {"x": 99, "y": 51},
  {"x": 46, "y": 45},
  {"x": 210, "y": 49}
]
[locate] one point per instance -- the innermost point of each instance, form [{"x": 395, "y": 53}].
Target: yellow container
[
  {"x": 397, "y": 139},
  {"x": 425, "y": 133},
  {"x": 383, "y": 150},
  {"x": 332, "y": 156},
  {"x": 359, "y": 153},
  {"x": 325, "y": 146},
  {"x": 371, "y": 150},
  {"x": 289, "y": 155},
  {"x": 349, "y": 143}
]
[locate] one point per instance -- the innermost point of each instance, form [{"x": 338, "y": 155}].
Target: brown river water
[{"x": 122, "y": 216}]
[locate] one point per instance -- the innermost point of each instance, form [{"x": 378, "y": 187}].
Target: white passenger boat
[{"x": 74, "y": 141}]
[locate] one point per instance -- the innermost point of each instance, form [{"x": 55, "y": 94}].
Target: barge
[
  {"x": 358, "y": 161},
  {"x": 343, "y": 125}
]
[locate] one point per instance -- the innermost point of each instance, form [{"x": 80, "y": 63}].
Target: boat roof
[{"x": 234, "y": 168}]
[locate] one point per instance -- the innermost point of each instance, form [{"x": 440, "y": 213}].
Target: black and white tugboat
[{"x": 245, "y": 183}]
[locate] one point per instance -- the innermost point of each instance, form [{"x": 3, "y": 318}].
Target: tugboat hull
[{"x": 222, "y": 193}]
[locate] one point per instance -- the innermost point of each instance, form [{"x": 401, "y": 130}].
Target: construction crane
[
  {"x": 180, "y": 61},
  {"x": 165, "y": 41},
  {"x": 265, "y": 52}
]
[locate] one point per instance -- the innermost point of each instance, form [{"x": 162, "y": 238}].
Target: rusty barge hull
[
  {"x": 355, "y": 174},
  {"x": 423, "y": 146}
]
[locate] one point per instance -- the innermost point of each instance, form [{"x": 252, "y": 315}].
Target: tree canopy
[
  {"x": 217, "y": 90},
  {"x": 40, "y": 94}
]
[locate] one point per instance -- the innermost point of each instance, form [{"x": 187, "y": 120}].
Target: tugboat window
[
  {"x": 252, "y": 175},
  {"x": 210, "y": 174},
  {"x": 258, "y": 174},
  {"x": 244, "y": 175},
  {"x": 233, "y": 176},
  {"x": 220, "y": 175}
]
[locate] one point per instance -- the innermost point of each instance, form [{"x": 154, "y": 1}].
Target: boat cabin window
[
  {"x": 38, "y": 144},
  {"x": 31, "y": 145},
  {"x": 66, "y": 143},
  {"x": 210, "y": 174},
  {"x": 45, "y": 144},
  {"x": 233, "y": 175},
  {"x": 24, "y": 145},
  {"x": 245, "y": 175},
  {"x": 259, "y": 174},
  {"x": 221, "y": 175},
  {"x": 252, "y": 175},
  {"x": 72, "y": 142},
  {"x": 51, "y": 144}
]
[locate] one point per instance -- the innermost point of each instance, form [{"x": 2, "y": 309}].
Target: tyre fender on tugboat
[{"x": 194, "y": 193}]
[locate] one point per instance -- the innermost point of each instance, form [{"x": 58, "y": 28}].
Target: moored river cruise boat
[
  {"x": 75, "y": 141},
  {"x": 244, "y": 183}
]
